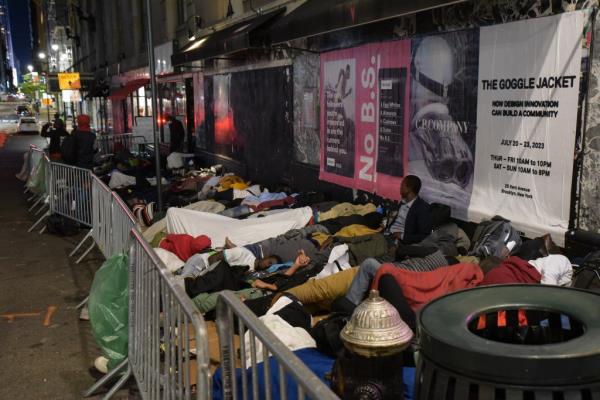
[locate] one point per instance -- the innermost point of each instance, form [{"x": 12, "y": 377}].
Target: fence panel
[
  {"x": 111, "y": 144},
  {"x": 122, "y": 222},
  {"x": 71, "y": 193},
  {"x": 230, "y": 312},
  {"x": 163, "y": 317},
  {"x": 102, "y": 204}
]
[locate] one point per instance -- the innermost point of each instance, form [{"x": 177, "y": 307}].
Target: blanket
[
  {"x": 420, "y": 288},
  {"x": 240, "y": 232}
]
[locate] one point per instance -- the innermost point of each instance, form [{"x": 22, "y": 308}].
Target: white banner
[{"x": 529, "y": 74}]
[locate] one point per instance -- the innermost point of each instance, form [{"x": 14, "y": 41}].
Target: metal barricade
[
  {"x": 110, "y": 144},
  {"x": 229, "y": 306},
  {"x": 71, "y": 196},
  {"x": 112, "y": 221},
  {"x": 101, "y": 216},
  {"x": 122, "y": 222},
  {"x": 168, "y": 350}
]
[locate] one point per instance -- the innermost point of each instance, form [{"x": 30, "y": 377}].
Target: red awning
[{"x": 122, "y": 92}]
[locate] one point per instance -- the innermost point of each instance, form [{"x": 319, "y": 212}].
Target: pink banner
[{"x": 365, "y": 116}]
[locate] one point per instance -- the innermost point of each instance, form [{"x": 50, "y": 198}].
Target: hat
[{"x": 83, "y": 122}]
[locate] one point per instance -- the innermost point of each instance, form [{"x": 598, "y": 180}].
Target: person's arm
[
  {"x": 423, "y": 226},
  {"x": 258, "y": 284},
  {"x": 300, "y": 262}
]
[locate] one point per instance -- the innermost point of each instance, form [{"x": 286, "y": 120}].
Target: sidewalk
[{"x": 47, "y": 351}]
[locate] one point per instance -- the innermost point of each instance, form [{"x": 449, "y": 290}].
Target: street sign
[
  {"x": 69, "y": 80},
  {"x": 47, "y": 102}
]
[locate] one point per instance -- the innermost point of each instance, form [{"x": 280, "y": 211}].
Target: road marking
[
  {"x": 51, "y": 310},
  {"x": 11, "y": 317}
]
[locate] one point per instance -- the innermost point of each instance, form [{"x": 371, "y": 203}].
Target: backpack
[
  {"x": 68, "y": 149},
  {"x": 492, "y": 237},
  {"x": 61, "y": 226},
  {"x": 587, "y": 276},
  {"x": 326, "y": 333}
]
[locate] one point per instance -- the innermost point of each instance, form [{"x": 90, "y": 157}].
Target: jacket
[
  {"x": 54, "y": 135},
  {"x": 84, "y": 143},
  {"x": 418, "y": 223}
]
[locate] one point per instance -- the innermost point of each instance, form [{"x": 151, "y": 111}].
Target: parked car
[
  {"x": 23, "y": 110},
  {"x": 28, "y": 125}
]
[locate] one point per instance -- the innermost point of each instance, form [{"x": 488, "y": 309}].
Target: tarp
[{"x": 240, "y": 232}]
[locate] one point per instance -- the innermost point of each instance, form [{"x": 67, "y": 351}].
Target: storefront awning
[
  {"x": 122, "y": 92},
  {"x": 317, "y": 17},
  {"x": 240, "y": 36}
]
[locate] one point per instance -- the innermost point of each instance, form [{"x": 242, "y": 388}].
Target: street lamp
[
  {"x": 30, "y": 68},
  {"x": 41, "y": 55},
  {"x": 54, "y": 47}
]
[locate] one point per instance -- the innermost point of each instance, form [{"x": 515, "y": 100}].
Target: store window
[{"x": 142, "y": 102}]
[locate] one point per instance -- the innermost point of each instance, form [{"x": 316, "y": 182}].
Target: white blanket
[
  {"x": 293, "y": 338},
  {"x": 161, "y": 225},
  {"x": 240, "y": 232},
  {"x": 556, "y": 269}
]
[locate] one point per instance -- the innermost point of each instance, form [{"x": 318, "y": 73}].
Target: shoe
[{"x": 101, "y": 364}]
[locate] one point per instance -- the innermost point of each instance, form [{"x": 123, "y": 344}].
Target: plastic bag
[
  {"x": 109, "y": 308},
  {"x": 37, "y": 180}
]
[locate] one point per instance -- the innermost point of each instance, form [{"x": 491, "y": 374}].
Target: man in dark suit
[{"x": 412, "y": 224}]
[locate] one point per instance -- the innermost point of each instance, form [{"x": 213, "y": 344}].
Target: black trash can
[{"x": 525, "y": 342}]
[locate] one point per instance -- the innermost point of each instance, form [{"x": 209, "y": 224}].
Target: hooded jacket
[{"x": 84, "y": 142}]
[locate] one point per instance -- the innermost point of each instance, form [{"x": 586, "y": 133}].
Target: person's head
[
  {"x": 266, "y": 262},
  {"x": 169, "y": 118},
  {"x": 58, "y": 124},
  {"x": 410, "y": 187},
  {"x": 83, "y": 122},
  {"x": 56, "y": 116}
]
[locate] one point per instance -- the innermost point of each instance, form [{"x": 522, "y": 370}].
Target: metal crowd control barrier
[
  {"x": 289, "y": 366},
  {"x": 168, "y": 350},
  {"x": 71, "y": 196},
  {"x": 122, "y": 222},
  {"x": 111, "y": 221},
  {"x": 110, "y": 144},
  {"x": 101, "y": 216}
]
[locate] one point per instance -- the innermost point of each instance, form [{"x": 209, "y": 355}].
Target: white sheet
[{"x": 240, "y": 232}]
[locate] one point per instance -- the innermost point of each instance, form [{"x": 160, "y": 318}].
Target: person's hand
[
  {"x": 258, "y": 284},
  {"x": 302, "y": 260}
]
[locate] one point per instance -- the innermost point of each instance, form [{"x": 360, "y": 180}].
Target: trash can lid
[{"x": 446, "y": 340}]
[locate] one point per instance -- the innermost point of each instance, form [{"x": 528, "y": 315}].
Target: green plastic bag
[
  {"x": 37, "y": 180},
  {"x": 109, "y": 308}
]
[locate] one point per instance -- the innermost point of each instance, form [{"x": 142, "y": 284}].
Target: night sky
[{"x": 21, "y": 35}]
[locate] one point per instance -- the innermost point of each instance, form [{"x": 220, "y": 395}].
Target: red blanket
[
  {"x": 512, "y": 270},
  {"x": 185, "y": 246},
  {"x": 420, "y": 288}
]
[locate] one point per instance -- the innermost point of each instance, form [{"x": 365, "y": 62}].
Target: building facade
[{"x": 213, "y": 56}]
